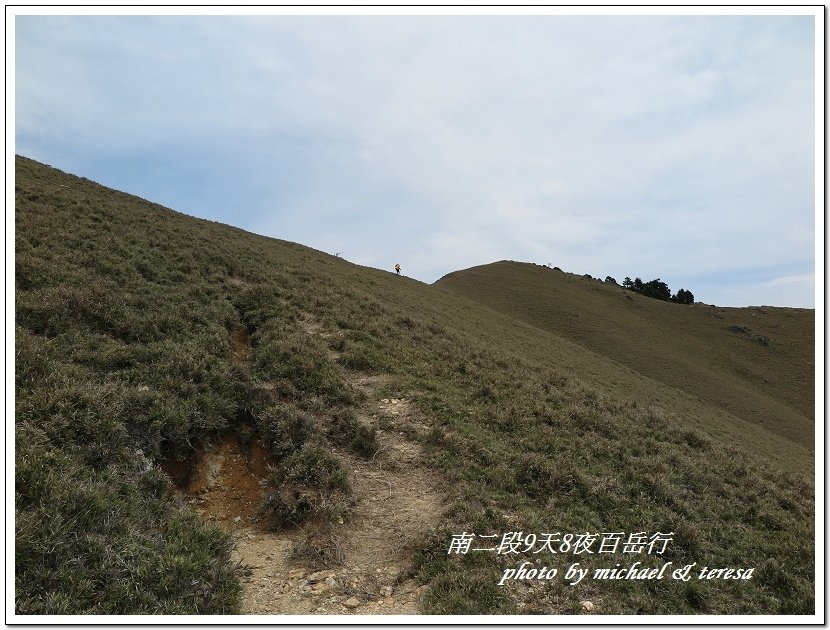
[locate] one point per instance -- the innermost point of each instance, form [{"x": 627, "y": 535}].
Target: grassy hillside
[
  {"x": 755, "y": 363},
  {"x": 129, "y": 318}
]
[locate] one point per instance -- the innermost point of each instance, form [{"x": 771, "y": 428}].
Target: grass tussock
[{"x": 309, "y": 484}]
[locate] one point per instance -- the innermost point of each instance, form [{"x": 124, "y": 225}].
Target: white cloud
[{"x": 619, "y": 146}]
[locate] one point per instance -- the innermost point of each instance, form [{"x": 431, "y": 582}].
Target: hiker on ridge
[{"x": 398, "y": 269}]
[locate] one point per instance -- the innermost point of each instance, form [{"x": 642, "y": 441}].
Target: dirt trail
[
  {"x": 393, "y": 504},
  {"x": 240, "y": 345},
  {"x": 395, "y": 497}
]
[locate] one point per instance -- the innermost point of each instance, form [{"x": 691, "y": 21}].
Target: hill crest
[
  {"x": 147, "y": 340},
  {"x": 755, "y": 363}
]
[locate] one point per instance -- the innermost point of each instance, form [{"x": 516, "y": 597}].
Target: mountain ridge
[
  {"x": 148, "y": 341},
  {"x": 695, "y": 348}
]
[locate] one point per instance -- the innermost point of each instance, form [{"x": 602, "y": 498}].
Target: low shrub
[
  {"x": 345, "y": 429},
  {"x": 309, "y": 483}
]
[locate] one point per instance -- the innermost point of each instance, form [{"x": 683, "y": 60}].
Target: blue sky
[{"x": 679, "y": 147}]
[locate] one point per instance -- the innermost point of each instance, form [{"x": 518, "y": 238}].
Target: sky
[{"x": 678, "y": 147}]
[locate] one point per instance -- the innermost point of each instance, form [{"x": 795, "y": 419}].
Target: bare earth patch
[
  {"x": 393, "y": 505},
  {"x": 225, "y": 487},
  {"x": 395, "y": 499},
  {"x": 240, "y": 345}
]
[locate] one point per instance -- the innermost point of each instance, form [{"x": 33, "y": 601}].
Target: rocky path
[{"x": 396, "y": 499}]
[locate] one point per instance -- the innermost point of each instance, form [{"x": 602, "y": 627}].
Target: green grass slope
[
  {"x": 756, "y": 363},
  {"x": 125, "y": 318}
]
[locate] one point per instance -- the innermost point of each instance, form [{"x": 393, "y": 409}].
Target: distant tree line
[{"x": 658, "y": 290}]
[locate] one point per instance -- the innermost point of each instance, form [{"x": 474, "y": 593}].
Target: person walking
[{"x": 398, "y": 269}]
